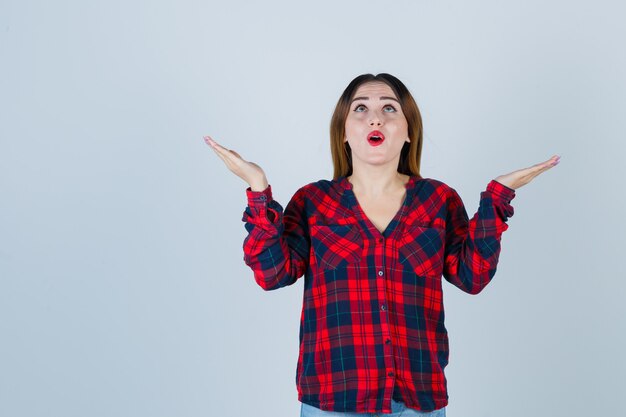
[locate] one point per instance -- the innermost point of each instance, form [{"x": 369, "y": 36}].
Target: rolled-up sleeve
[
  {"x": 277, "y": 245},
  {"x": 472, "y": 247}
]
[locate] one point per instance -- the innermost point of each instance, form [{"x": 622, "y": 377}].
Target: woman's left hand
[{"x": 521, "y": 177}]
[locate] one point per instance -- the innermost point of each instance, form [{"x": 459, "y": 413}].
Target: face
[{"x": 375, "y": 111}]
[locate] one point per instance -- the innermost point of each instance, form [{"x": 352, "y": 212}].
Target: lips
[{"x": 375, "y": 137}]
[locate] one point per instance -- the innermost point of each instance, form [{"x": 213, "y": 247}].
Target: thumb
[{"x": 236, "y": 154}]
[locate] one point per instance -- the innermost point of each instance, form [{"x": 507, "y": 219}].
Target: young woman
[{"x": 372, "y": 245}]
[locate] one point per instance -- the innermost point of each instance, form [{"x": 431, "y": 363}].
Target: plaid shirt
[{"x": 372, "y": 323}]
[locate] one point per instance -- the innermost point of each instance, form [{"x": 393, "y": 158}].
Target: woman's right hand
[{"x": 247, "y": 171}]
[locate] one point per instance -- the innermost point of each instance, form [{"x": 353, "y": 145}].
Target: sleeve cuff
[
  {"x": 256, "y": 198},
  {"x": 500, "y": 190}
]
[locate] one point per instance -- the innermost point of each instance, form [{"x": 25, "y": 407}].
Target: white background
[{"x": 123, "y": 290}]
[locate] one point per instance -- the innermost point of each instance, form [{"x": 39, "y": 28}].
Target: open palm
[
  {"x": 246, "y": 170},
  {"x": 521, "y": 177}
]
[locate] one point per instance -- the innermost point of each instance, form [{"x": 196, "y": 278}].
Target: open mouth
[{"x": 375, "y": 138}]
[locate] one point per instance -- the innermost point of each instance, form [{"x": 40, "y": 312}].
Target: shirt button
[
  {"x": 388, "y": 341},
  {"x": 390, "y": 373},
  {"x": 263, "y": 198},
  {"x": 380, "y": 273},
  {"x": 380, "y": 240},
  {"x": 383, "y": 308}
]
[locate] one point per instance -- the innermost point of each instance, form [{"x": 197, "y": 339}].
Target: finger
[
  {"x": 226, "y": 153},
  {"x": 552, "y": 161},
  {"x": 231, "y": 165},
  {"x": 541, "y": 171},
  {"x": 549, "y": 164},
  {"x": 219, "y": 148},
  {"x": 213, "y": 144},
  {"x": 220, "y": 151},
  {"x": 222, "y": 157},
  {"x": 541, "y": 166},
  {"x": 209, "y": 141}
]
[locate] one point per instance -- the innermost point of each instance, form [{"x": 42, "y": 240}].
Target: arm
[
  {"x": 473, "y": 246},
  {"x": 277, "y": 246}
]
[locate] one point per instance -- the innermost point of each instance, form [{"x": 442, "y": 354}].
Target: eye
[
  {"x": 389, "y": 106},
  {"x": 358, "y": 107}
]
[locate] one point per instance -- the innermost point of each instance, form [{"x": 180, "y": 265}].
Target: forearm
[
  {"x": 275, "y": 248},
  {"x": 472, "y": 256}
]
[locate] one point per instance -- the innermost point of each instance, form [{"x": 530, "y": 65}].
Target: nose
[{"x": 375, "y": 120}]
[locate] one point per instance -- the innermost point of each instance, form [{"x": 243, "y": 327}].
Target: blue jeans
[{"x": 398, "y": 409}]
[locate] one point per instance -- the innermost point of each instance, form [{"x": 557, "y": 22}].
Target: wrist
[{"x": 261, "y": 186}]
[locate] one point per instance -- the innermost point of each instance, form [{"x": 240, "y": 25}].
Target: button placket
[{"x": 384, "y": 316}]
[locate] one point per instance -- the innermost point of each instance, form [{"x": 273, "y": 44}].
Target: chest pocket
[
  {"x": 336, "y": 245},
  {"x": 421, "y": 249}
]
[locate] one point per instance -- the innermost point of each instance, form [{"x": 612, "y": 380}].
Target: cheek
[
  {"x": 351, "y": 122},
  {"x": 352, "y": 127},
  {"x": 401, "y": 128}
]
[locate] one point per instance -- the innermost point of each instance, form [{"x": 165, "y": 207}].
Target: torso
[{"x": 381, "y": 211}]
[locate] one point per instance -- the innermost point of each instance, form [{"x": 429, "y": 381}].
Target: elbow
[
  {"x": 468, "y": 281},
  {"x": 268, "y": 285},
  {"x": 268, "y": 279},
  {"x": 273, "y": 281},
  {"x": 475, "y": 289},
  {"x": 478, "y": 285}
]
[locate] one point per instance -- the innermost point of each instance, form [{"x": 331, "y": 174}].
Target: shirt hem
[{"x": 324, "y": 407}]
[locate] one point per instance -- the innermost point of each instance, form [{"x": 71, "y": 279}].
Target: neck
[{"x": 377, "y": 181}]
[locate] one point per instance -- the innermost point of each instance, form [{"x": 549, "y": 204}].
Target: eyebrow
[{"x": 367, "y": 98}]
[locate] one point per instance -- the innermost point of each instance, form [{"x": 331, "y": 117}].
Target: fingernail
[{"x": 208, "y": 140}]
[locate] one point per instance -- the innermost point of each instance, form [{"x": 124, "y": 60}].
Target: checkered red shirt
[{"x": 372, "y": 323}]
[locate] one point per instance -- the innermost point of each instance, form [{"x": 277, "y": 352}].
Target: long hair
[{"x": 411, "y": 153}]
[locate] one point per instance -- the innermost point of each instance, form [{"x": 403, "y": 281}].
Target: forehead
[{"x": 374, "y": 89}]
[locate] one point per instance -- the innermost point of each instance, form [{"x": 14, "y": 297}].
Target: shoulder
[
  {"x": 322, "y": 186},
  {"x": 438, "y": 194},
  {"x": 320, "y": 191},
  {"x": 435, "y": 186}
]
